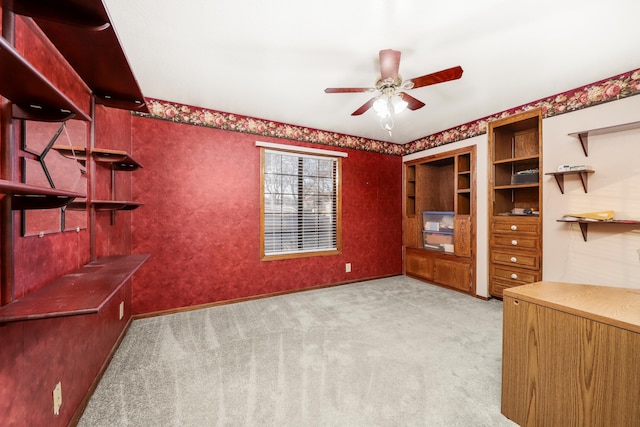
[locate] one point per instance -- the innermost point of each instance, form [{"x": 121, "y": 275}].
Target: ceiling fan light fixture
[
  {"x": 399, "y": 104},
  {"x": 389, "y": 104},
  {"x": 381, "y": 106}
]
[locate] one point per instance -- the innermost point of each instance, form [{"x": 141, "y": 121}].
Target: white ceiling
[{"x": 273, "y": 59}]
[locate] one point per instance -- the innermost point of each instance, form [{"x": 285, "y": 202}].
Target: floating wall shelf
[
  {"x": 104, "y": 205},
  {"x": 583, "y": 136},
  {"x": 32, "y": 95},
  {"x": 26, "y": 196},
  {"x": 584, "y": 224},
  {"x": 584, "y": 177},
  {"x": 120, "y": 160},
  {"x": 76, "y": 28}
]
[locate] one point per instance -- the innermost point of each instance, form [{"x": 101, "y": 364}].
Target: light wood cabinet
[
  {"x": 515, "y": 201},
  {"x": 571, "y": 355},
  {"x": 443, "y": 183}
]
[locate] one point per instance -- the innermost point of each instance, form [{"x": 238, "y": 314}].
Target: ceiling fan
[{"x": 392, "y": 96}]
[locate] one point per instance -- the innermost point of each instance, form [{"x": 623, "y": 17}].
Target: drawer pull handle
[
  {"x": 514, "y": 242},
  {"x": 514, "y": 259},
  {"x": 514, "y": 227},
  {"x": 514, "y": 276}
]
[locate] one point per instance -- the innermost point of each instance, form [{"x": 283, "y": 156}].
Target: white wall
[{"x": 611, "y": 256}]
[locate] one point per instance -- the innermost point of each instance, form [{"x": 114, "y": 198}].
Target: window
[{"x": 300, "y": 201}]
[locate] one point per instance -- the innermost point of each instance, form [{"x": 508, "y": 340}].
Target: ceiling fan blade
[
  {"x": 348, "y": 89},
  {"x": 389, "y": 64},
  {"x": 365, "y": 107},
  {"x": 437, "y": 77},
  {"x": 414, "y": 103}
]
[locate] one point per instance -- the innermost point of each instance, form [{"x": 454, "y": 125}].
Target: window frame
[{"x": 292, "y": 150}]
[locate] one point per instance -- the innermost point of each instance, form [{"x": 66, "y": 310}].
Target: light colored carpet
[{"x": 388, "y": 352}]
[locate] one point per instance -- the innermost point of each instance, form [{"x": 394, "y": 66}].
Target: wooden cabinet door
[
  {"x": 452, "y": 273},
  {"x": 462, "y": 235},
  {"x": 412, "y": 226},
  {"x": 419, "y": 264}
]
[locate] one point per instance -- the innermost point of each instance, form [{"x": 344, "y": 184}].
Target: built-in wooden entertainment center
[{"x": 439, "y": 219}]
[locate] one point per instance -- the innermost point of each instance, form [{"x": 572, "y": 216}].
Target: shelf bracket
[
  {"x": 584, "y": 141},
  {"x": 584, "y": 178},
  {"x": 583, "y": 229},
  {"x": 560, "y": 180}
]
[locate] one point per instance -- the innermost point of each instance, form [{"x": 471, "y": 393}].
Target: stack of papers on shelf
[
  {"x": 569, "y": 168},
  {"x": 590, "y": 216}
]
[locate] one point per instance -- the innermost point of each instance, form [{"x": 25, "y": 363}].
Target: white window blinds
[{"x": 300, "y": 202}]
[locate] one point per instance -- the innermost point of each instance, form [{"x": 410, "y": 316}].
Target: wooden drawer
[
  {"x": 498, "y": 286},
  {"x": 516, "y": 258},
  {"x": 515, "y": 241},
  {"x": 515, "y": 225},
  {"x": 514, "y": 276}
]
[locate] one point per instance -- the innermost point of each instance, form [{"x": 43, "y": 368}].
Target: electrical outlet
[
  {"x": 347, "y": 267},
  {"x": 57, "y": 398},
  {"x": 121, "y": 310}
]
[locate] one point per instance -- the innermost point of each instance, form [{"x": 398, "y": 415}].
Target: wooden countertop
[
  {"x": 84, "y": 291},
  {"x": 619, "y": 307}
]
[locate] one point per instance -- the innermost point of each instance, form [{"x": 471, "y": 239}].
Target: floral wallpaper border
[{"x": 611, "y": 89}]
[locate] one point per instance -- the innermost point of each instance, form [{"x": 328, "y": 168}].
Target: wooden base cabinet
[
  {"x": 442, "y": 269},
  {"x": 439, "y": 219},
  {"x": 571, "y": 355}
]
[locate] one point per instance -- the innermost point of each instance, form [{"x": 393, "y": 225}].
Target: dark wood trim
[
  {"x": 91, "y": 169},
  {"x": 6, "y": 172},
  {"x": 252, "y": 298}
]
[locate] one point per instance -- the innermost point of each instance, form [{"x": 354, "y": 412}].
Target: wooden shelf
[
  {"x": 105, "y": 205},
  {"x": 516, "y": 159},
  {"x": 32, "y": 95},
  {"x": 26, "y": 196},
  {"x": 84, "y": 291},
  {"x": 76, "y": 30},
  {"x": 120, "y": 160},
  {"x": 584, "y": 224},
  {"x": 584, "y": 176},
  {"x": 583, "y": 136},
  {"x": 514, "y": 186}
]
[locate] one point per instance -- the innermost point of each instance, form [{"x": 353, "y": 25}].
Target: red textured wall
[
  {"x": 201, "y": 219},
  {"x": 113, "y": 131},
  {"x": 36, "y": 48},
  {"x": 35, "y": 355}
]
